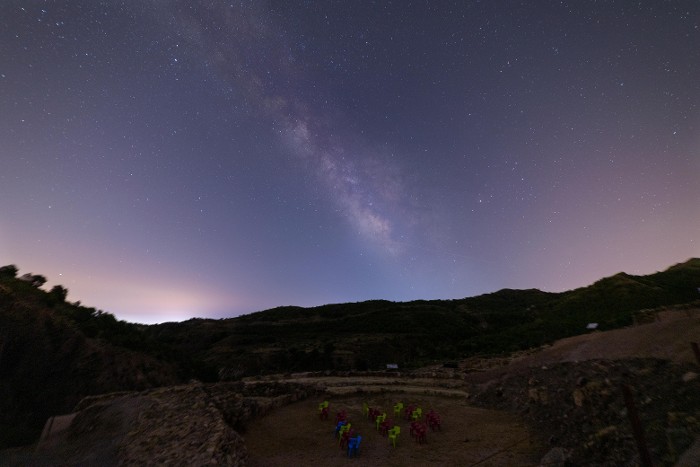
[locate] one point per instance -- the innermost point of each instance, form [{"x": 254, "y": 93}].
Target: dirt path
[{"x": 294, "y": 435}]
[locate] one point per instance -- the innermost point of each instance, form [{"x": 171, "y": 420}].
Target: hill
[
  {"x": 369, "y": 335},
  {"x": 559, "y": 405},
  {"x": 54, "y": 353}
]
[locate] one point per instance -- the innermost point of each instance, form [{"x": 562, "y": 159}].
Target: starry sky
[{"x": 173, "y": 159}]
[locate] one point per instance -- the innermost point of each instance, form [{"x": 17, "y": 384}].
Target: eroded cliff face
[{"x": 191, "y": 424}]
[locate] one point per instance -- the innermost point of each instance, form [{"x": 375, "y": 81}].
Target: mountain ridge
[{"x": 53, "y": 353}]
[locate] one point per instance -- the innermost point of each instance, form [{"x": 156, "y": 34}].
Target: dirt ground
[{"x": 294, "y": 435}]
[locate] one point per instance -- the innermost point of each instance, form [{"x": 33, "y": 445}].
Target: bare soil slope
[{"x": 667, "y": 338}]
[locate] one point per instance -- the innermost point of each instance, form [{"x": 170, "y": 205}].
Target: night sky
[{"x": 174, "y": 159}]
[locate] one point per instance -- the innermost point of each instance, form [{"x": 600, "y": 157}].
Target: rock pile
[
  {"x": 580, "y": 411},
  {"x": 192, "y": 424}
]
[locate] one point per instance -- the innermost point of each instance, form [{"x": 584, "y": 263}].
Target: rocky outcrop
[
  {"x": 579, "y": 408},
  {"x": 192, "y": 424}
]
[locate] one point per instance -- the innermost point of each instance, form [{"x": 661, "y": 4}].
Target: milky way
[
  {"x": 249, "y": 52},
  {"x": 164, "y": 160}
]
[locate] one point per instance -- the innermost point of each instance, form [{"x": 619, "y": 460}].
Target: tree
[
  {"x": 37, "y": 280},
  {"x": 8, "y": 272},
  {"x": 58, "y": 293}
]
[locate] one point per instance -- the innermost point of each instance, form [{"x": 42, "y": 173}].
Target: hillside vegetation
[
  {"x": 369, "y": 335},
  {"x": 53, "y": 353}
]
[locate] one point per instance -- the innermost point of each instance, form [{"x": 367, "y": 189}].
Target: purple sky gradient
[{"x": 168, "y": 160}]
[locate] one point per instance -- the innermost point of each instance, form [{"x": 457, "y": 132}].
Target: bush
[{"x": 8, "y": 272}]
